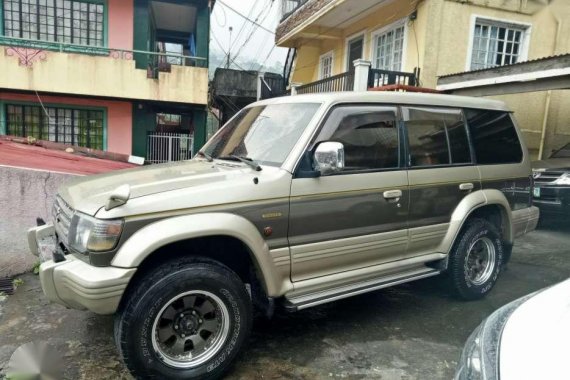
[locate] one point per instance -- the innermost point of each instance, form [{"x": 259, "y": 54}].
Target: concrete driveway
[{"x": 413, "y": 331}]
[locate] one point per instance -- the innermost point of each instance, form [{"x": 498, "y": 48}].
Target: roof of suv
[{"x": 392, "y": 97}]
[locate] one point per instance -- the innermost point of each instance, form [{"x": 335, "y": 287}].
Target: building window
[
  {"x": 68, "y": 21},
  {"x": 64, "y": 125},
  {"x": 389, "y": 48},
  {"x": 496, "y": 44},
  {"x": 326, "y": 65}
]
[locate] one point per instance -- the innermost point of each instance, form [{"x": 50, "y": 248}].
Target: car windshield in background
[
  {"x": 563, "y": 152},
  {"x": 264, "y": 134}
]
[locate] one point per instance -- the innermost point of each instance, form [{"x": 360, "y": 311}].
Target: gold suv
[{"x": 295, "y": 202}]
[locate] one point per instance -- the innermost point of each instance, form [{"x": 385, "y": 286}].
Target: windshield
[
  {"x": 563, "y": 152},
  {"x": 264, "y": 134}
]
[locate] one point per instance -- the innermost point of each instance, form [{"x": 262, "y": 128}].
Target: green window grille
[
  {"x": 68, "y": 21},
  {"x": 80, "y": 127}
]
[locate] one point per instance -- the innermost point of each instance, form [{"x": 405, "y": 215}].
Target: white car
[{"x": 528, "y": 338}]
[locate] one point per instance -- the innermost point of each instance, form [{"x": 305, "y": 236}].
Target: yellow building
[{"x": 435, "y": 38}]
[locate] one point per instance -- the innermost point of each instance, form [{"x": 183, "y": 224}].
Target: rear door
[
  {"x": 441, "y": 172},
  {"x": 355, "y": 218}
]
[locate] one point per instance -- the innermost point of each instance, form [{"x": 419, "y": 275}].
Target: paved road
[{"x": 413, "y": 331}]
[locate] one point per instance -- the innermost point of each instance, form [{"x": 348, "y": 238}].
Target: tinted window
[
  {"x": 436, "y": 136},
  {"x": 494, "y": 137},
  {"x": 369, "y": 135}
]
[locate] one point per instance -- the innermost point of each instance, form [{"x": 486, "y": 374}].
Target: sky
[{"x": 261, "y": 42}]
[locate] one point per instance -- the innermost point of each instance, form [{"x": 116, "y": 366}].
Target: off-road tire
[
  {"x": 457, "y": 272},
  {"x": 136, "y": 315}
]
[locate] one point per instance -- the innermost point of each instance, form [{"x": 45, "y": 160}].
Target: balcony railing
[
  {"x": 288, "y": 7},
  {"x": 379, "y": 78},
  {"x": 339, "y": 82},
  {"x": 157, "y": 60}
]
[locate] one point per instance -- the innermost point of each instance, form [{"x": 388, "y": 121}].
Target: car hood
[
  {"x": 89, "y": 194},
  {"x": 552, "y": 163},
  {"x": 536, "y": 339}
]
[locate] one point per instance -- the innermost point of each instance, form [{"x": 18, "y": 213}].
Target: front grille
[
  {"x": 62, "y": 214},
  {"x": 547, "y": 177}
]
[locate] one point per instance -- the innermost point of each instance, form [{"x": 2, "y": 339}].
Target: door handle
[
  {"x": 392, "y": 194},
  {"x": 466, "y": 186}
]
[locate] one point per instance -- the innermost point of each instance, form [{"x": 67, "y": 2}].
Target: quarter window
[
  {"x": 495, "y": 138},
  {"x": 369, "y": 135},
  {"x": 496, "y": 44},
  {"x": 68, "y": 21},
  {"x": 436, "y": 137},
  {"x": 65, "y": 125}
]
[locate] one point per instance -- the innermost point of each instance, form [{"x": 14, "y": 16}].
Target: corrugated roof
[
  {"x": 511, "y": 65},
  {"x": 39, "y": 158}
]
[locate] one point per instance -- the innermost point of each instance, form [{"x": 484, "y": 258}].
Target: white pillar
[
  {"x": 361, "y": 69},
  {"x": 294, "y": 87}
]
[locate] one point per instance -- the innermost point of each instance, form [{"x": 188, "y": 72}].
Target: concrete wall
[
  {"x": 26, "y": 195},
  {"x": 104, "y": 76}
]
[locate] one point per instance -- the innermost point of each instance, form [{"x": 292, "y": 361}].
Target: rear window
[{"x": 494, "y": 137}]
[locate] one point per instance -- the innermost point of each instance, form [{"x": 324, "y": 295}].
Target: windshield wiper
[
  {"x": 206, "y": 156},
  {"x": 246, "y": 160}
]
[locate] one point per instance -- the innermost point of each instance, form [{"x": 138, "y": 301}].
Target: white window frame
[
  {"x": 348, "y": 65},
  {"x": 386, "y": 29},
  {"x": 524, "y": 47},
  {"x": 322, "y": 57}
]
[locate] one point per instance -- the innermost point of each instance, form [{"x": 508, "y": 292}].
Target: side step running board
[{"x": 309, "y": 300}]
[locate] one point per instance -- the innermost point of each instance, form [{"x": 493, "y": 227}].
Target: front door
[
  {"x": 357, "y": 217},
  {"x": 441, "y": 172},
  {"x": 355, "y": 50}
]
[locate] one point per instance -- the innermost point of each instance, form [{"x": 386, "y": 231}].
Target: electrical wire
[
  {"x": 245, "y": 17},
  {"x": 225, "y": 18},
  {"x": 265, "y": 11}
]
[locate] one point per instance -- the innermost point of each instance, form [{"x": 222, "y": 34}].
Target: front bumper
[{"x": 78, "y": 285}]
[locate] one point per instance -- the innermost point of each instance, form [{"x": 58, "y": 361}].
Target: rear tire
[
  {"x": 188, "y": 319},
  {"x": 476, "y": 259}
]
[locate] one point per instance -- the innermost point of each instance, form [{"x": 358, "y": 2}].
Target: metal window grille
[
  {"x": 167, "y": 147},
  {"x": 495, "y": 45},
  {"x": 69, "y": 21},
  {"x": 65, "y": 125},
  {"x": 388, "y": 49}
]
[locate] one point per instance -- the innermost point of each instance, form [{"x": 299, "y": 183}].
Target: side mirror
[{"x": 329, "y": 157}]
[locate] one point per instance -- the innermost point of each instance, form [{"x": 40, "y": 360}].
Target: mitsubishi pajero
[{"x": 295, "y": 202}]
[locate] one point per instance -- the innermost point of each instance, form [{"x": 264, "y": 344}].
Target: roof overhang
[{"x": 551, "y": 73}]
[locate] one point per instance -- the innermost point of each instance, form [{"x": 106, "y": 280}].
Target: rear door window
[
  {"x": 494, "y": 137},
  {"x": 436, "y": 136}
]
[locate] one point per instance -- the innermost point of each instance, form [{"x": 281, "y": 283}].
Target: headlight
[
  {"x": 563, "y": 180},
  {"x": 91, "y": 234},
  {"x": 480, "y": 356}
]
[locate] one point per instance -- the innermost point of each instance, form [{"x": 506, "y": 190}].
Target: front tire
[
  {"x": 476, "y": 260},
  {"x": 184, "y": 320}
]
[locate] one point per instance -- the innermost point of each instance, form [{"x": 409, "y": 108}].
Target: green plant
[
  {"x": 36, "y": 269},
  {"x": 17, "y": 282}
]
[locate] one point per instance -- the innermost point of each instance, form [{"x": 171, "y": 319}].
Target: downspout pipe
[{"x": 548, "y": 93}]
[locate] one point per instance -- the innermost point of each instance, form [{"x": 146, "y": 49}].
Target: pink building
[{"x": 127, "y": 76}]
